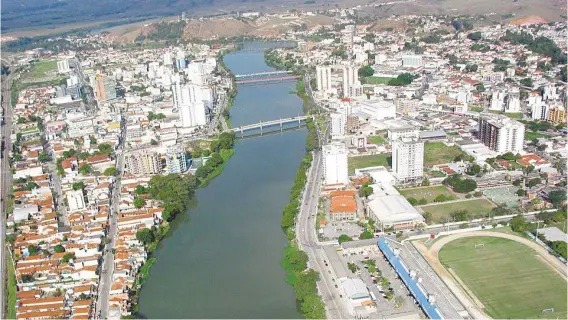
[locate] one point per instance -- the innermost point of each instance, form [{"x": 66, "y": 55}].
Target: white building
[
  {"x": 540, "y": 111},
  {"x": 348, "y": 34},
  {"x": 176, "y": 160},
  {"x": 377, "y": 109},
  {"x": 338, "y": 122},
  {"x": 63, "y": 66},
  {"x": 399, "y": 130},
  {"x": 412, "y": 61},
  {"x": 513, "y": 102},
  {"x": 335, "y": 163},
  {"x": 550, "y": 93},
  {"x": 502, "y": 134},
  {"x": 75, "y": 200},
  {"x": 142, "y": 162},
  {"x": 191, "y": 101},
  {"x": 497, "y": 100},
  {"x": 350, "y": 78},
  {"x": 408, "y": 159},
  {"x": 323, "y": 77}
]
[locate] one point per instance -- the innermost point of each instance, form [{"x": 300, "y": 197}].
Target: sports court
[
  {"x": 503, "y": 195},
  {"x": 508, "y": 278}
]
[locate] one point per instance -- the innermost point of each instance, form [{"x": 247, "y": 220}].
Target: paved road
[
  {"x": 6, "y": 178},
  {"x": 107, "y": 269}
]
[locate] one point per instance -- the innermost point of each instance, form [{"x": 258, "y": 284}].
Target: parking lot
[
  {"x": 384, "y": 308},
  {"x": 334, "y": 229}
]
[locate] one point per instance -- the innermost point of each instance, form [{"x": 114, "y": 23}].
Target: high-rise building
[
  {"x": 550, "y": 93},
  {"x": 408, "y": 159},
  {"x": 191, "y": 101},
  {"x": 142, "y": 162},
  {"x": 338, "y": 122},
  {"x": 63, "y": 66},
  {"x": 513, "y": 102},
  {"x": 105, "y": 88},
  {"x": 335, "y": 163},
  {"x": 501, "y": 134},
  {"x": 557, "y": 114},
  {"x": 540, "y": 111},
  {"x": 323, "y": 78},
  {"x": 176, "y": 160},
  {"x": 348, "y": 34},
  {"x": 350, "y": 78},
  {"x": 168, "y": 59},
  {"x": 180, "y": 60},
  {"x": 497, "y": 100},
  {"x": 412, "y": 61}
]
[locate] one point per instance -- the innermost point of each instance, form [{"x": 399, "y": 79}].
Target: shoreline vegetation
[
  {"x": 231, "y": 94},
  {"x": 294, "y": 260},
  {"x": 176, "y": 191}
]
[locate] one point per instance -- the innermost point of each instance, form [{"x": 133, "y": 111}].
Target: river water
[{"x": 222, "y": 258}]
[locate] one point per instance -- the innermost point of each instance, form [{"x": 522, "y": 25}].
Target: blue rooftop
[{"x": 430, "y": 309}]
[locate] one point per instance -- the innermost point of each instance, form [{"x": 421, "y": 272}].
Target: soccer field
[
  {"x": 383, "y": 159},
  {"x": 475, "y": 208},
  {"x": 509, "y": 278},
  {"x": 428, "y": 193}
]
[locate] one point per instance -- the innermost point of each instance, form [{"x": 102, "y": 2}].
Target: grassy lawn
[
  {"x": 429, "y": 193},
  {"x": 507, "y": 277},
  {"x": 41, "y": 69},
  {"x": 11, "y": 289},
  {"x": 529, "y": 135},
  {"x": 383, "y": 159},
  {"x": 145, "y": 270},
  {"x": 376, "y": 80},
  {"x": 435, "y": 174},
  {"x": 438, "y": 153},
  {"x": 377, "y": 140},
  {"x": 442, "y": 211},
  {"x": 476, "y": 108},
  {"x": 512, "y": 115}
]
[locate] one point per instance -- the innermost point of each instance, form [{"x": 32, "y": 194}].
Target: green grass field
[
  {"x": 512, "y": 115},
  {"x": 507, "y": 277},
  {"x": 377, "y": 140},
  {"x": 376, "y": 80},
  {"x": 441, "y": 212},
  {"x": 438, "y": 152},
  {"x": 429, "y": 193},
  {"x": 41, "y": 69},
  {"x": 476, "y": 108},
  {"x": 383, "y": 159},
  {"x": 529, "y": 135}
]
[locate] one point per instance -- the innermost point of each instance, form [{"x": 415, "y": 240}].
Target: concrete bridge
[
  {"x": 300, "y": 120},
  {"x": 261, "y": 74},
  {"x": 268, "y": 79}
]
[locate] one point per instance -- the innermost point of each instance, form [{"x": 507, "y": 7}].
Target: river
[{"x": 222, "y": 258}]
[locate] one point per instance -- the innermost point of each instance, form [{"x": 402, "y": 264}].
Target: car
[{"x": 336, "y": 286}]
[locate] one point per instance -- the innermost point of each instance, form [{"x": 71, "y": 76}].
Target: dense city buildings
[{"x": 502, "y": 134}]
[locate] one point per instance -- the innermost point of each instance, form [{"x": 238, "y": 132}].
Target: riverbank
[
  {"x": 232, "y": 93},
  {"x": 176, "y": 192},
  {"x": 295, "y": 261}
]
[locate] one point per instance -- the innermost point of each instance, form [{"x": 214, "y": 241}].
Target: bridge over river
[{"x": 271, "y": 126}]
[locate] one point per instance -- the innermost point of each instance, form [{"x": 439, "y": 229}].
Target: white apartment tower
[
  {"x": 350, "y": 78},
  {"x": 323, "y": 78},
  {"x": 412, "y": 61},
  {"x": 338, "y": 122},
  {"x": 176, "y": 160},
  {"x": 540, "y": 111},
  {"x": 497, "y": 100},
  {"x": 63, "y": 66},
  {"x": 408, "y": 159},
  {"x": 191, "y": 101},
  {"x": 335, "y": 163},
  {"x": 513, "y": 102},
  {"x": 502, "y": 134}
]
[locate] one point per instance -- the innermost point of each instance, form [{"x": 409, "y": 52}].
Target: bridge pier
[{"x": 281, "y": 125}]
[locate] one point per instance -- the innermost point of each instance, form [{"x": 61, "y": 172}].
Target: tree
[
  {"x": 425, "y": 182},
  {"x": 428, "y": 217},
  {"x": 365, "y": 191},
  {"x": 59, "y": 248},
  {"x": 521, "y": 193},
  {"x": 557, "y": 197},
  {"x": 533, "y": 182},
  {"x": 460, "y": 215},
  {"x": 366, "y": 71},
  {"x": 139, "y": 202},
  {"x": 92, "y": 140},
  {"x": 412, "y": 201},
  {"x": 145, "y": 236},
  {"x": 85, "y": 169},
  {"x": 475, "y": 36},
  {"x": 67, "y": 257},
  {"x": 111, "y": 171},
  {"x": 42, "y": 157},
  {"x": 353, "y": 267},
  {"x": 297, "y": 258},
  {"x": 105, "y": 148},
  {"x": 519, "y": 224},
  {"x": 527, "y": 82},
  {"x": 422, "y": 201},
  {"x": 140, "y": 189},
  {"x": 153, "y": 142},
  {"x": 560, "y": 248},
  {"x": 79, "y": 185},
  {"x": 440, "y": 198},
  {"x": 33, "y": 250},
  {"x": 473, "y": 169},
  {"x": 344, "y": 238},
  {"x": 366, "y": 235},
  {"x": 205, "y": 153}
]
